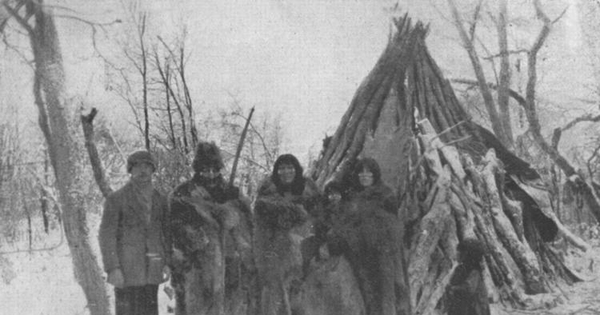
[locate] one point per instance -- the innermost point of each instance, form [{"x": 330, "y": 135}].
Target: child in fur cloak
[
  {"x": 467, "y": 294},
  {"x": 283, "y": 206},
  {"x": 369, "y": 235},
  {"x": 210, "y": 227}
]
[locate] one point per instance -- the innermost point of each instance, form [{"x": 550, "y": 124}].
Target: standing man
[
  {"x": 132, "y": 239},
  {"x": 210, "y": 227}
]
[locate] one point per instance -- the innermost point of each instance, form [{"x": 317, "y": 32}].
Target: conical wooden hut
[{"x": 453, "y": 178}]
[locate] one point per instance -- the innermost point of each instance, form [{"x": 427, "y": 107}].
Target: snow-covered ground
[{"x": 43, "y": 283}]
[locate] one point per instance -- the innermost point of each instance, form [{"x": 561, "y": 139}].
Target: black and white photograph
[{"x": 282, "y": 157}]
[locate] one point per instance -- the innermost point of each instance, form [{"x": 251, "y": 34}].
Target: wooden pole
[{"x": 240, "y": 146}]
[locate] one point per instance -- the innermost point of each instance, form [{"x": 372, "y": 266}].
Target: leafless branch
[
  {"x": 509, "y": 52},
  {"x": 475, "y": 20},
  {"x": 15, "y": 14},
  {"x": 514, "y": 94}
]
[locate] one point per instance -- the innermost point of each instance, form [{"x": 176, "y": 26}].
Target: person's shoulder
[
  {"x": 385, "y": 190},
  {"x": 182, "y": 189},
  {"x": 310, "y": 187},
  {"x": 267, "y": 187},
  {"x": 120, "y": 193}
]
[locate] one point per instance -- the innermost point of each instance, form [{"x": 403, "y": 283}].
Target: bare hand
[
  {"x": 115, "y": 277},
  {"x": 166, "y": 273}
]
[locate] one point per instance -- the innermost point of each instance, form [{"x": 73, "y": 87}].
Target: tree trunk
[
  {"x": 483, "y": 87},
  {"x": 64, "y": 152},
  {"x": 504, "y": 79}
]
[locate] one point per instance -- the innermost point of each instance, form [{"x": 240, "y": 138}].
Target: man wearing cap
[
  {"x": 209, "y": 222},
  {"x": 132, "y": 239}
]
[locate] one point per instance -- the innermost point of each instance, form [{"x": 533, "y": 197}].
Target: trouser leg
[
  {"x": 138, "y": 300},
  {"x": 124, "y": 301},
  {"x": 147, "y": 300}
]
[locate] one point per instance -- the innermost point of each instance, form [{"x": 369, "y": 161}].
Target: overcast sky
[{"x": 303, "y": 59}]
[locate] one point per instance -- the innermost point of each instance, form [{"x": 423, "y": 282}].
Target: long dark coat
[
  {"x": 210, "y": 238},
  {"x": 467, "y": 294},
  {"x": 129, "y": 241},
  {"x": 370, "y": 237},
  {"x": 281, "y": 225}
]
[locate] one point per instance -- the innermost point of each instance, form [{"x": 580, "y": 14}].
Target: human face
[
  {"x": 141, "y": 173},
  {"x": 286, "y": 173},
  {"x": 210, "y": 174},
  {"x": 365, "y": 177}
]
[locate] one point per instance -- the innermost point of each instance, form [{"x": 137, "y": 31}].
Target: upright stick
[{"x": 240, "y": 146}]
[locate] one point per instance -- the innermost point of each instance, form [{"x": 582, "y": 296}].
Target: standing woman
[
  {"x": 369, "y": 190},
  {"x": 370, "y": 236},
  {"x": 282, "y": 209}
]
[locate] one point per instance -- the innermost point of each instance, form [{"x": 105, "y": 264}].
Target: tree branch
[
  {"x": 14, "y": 13},
  {"x": 512, "y": 93},
  {"x": 87, "y": 125},
  {"x": 482, "y": 82}
]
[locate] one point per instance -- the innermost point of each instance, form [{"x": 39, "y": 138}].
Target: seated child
[{"x": 467, "y": 294}]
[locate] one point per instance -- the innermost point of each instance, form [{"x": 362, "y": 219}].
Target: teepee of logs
[{"x": 454, "y": 179}]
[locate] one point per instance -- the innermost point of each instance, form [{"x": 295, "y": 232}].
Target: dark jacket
[
  {"x": 129, "y": 242},
  {"x": 467, "y": 292},
  {"x": 369, "y": 235},
  {"x": 376, "y": 196}
]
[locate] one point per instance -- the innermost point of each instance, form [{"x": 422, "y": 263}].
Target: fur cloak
[
  {"x": 370, "y": 237},
  {"x": 211, "y": 250},
  {"x": 281, "y": 225}
]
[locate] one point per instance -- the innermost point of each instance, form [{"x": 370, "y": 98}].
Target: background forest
[{"x": 165, "y": 74}]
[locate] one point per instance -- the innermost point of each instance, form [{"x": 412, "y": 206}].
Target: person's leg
[
  {"x": 124, "y": 301},
  {"x": 147, "y": 300}
]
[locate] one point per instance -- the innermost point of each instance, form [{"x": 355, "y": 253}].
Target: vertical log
[{"x": 525, "y": 259}]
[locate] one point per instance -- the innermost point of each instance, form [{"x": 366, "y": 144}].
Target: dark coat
[
  {"x": 369, "y": 235},
  {"x": 129, "y": 242},
  {"x": 282, "y": 222},
  {"x": 208, "y": 273},
  {"x": 467, "y": 294},
  {"x": 376, "y": 196}
]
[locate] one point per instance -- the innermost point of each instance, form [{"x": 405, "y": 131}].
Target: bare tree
[
  {"x": 37, "y": 20},
  {"x": 498, "y": 121}
]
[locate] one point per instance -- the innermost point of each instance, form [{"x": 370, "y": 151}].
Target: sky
[{"x": 301, "y": 59}]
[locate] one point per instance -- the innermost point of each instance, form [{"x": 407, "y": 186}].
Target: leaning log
[{"x": 448, "y": 190}]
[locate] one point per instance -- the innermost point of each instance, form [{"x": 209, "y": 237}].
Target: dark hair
[
  {"x": 369, "y": 164},
  {"x": 207, "y": 155},
  {"x": 335, "y": 186},
  {"x": 297, "y": 186},
  {"x": 472, "y": 251}
]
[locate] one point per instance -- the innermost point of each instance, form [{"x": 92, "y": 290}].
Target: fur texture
[
  {"x": 213, "y": 239},
  {"x": 207, "y": 155}
]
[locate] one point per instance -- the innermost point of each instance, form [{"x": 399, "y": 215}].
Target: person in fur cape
[
  {"x": 467, "y": 294},
  {"x": 284, "y": 203},
  {"x": 210, "y": 227},
  {"x": 370, "y": 236}
]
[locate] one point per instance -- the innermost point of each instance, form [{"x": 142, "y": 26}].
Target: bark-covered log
[
  {"x": 448, "y": 191},
  {"x": 523, "y": 255},
  {"x": 365, "y": 109}
]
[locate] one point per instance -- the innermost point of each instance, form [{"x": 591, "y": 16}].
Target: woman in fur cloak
[
  {"x": 370, "y": 235},
  {"x": 283, "y": 206},
  {"x": 210, "y": 227}
]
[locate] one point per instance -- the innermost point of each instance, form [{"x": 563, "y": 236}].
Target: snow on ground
[{"x": 43, "y": 283}]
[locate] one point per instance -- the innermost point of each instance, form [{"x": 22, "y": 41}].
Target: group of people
[{"x": 221, "y": 254}]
